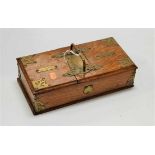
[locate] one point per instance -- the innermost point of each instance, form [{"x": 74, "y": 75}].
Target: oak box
[{"x": 60, "y": 77}]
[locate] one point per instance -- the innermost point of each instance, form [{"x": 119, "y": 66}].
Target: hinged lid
[
  {"x": 44, "y": 71},
  {"x": 70, "y": 65},
  {"x": 107, "y": 56}
]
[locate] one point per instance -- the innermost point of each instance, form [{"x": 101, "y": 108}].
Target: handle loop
[
  {"x": 71, "y": 51},
  {"x": 76, "y": 54}
]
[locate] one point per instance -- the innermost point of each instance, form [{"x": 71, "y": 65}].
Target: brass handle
[
  {"x": 73, "y": 48},
  {"x": 76, "y": 61}
]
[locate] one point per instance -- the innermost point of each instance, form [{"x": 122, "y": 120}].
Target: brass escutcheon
[{"x": 88, "y": 89}]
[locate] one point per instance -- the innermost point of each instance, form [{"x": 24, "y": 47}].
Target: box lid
[
  {"x": 55, "y": 69},
  {"x": 109, "y": 57},
  {"x": 44, "y": 71}
]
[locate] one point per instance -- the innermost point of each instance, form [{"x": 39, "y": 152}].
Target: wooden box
[{"x": 60, "y": 77}]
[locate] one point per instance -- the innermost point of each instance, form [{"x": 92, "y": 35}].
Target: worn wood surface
[{"x": 47, "y": 80}]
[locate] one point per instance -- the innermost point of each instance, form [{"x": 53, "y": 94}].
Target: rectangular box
[{"x": 60, "y": 77}]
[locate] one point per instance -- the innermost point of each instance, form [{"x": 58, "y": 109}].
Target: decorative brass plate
[
  {"x": 44, "y": 69},
  {"x": 88, "y": 89},
  {"x": 39, "y": 84},
  {"x": 28, "y": 60}
]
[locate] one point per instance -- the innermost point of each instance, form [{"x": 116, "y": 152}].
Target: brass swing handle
[
  {"x": 76, "y": 61},
  {"x": 73, "y": 48}
]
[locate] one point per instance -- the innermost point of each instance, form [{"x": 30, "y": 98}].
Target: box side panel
[
  {"x": 59, "y": 97},
  {"x": 26, "y": 90}
]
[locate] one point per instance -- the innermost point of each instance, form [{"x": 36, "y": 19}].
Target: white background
[
  {"x": 77, "y": 140},
  {"x": 129, "y": 107}
]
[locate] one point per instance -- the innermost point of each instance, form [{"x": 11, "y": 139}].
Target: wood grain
[{"x": 116, "y": 71}]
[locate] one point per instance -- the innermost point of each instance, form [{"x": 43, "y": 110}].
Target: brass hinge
[{"x": 47, "y": 68}]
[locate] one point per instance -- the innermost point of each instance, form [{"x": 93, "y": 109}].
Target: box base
[{"x": 60, "y": 106}]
